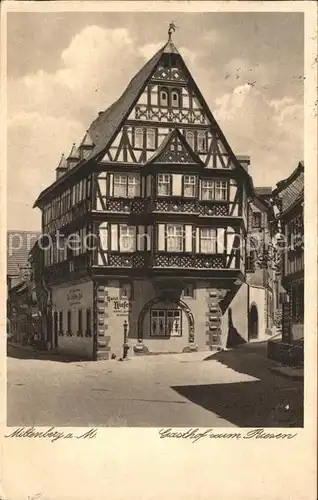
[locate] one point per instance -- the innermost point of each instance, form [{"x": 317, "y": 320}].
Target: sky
[{"x": 63, "y": 68}]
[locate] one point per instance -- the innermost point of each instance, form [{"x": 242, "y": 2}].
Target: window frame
[
  {"x": 201, "y": 134},
  {"x": 127, "y": 227},
  {"x": 188, "y": 295},
  {"x": 195, "y": 185},
  {"x": 125, "y": 183},
  {"x": 169, "y": 184},
  {"x": 165, "y": 314},
  {"x": 180, "y": 237},
  {"x": 212, "y": 189},
  {"x": 209, "y": 239},
  {"x": 140, "y": 131}
]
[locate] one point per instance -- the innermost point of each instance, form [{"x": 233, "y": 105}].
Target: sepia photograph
[{"x": 155, "y": 220}]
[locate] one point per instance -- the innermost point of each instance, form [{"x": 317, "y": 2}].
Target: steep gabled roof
[
  {"x": 182, "y": 152},
  {"x": 104, "y": 128},
  {"x": 291, "y": 190},
  {"x": 19, "y": 244}
]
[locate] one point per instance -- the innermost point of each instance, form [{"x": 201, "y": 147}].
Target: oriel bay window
[
  {"x": 214, "y": 190},
  {"x": 126, "y": 186},
  {"x": 165, "y": 323}
]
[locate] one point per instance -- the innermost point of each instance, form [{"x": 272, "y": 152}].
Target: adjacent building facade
[
  {"x": 147, "y": 225},
  {"x": 289, "y": 201}
]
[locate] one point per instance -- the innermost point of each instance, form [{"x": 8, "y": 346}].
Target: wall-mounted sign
[
  {"x": 120, "y": 307},
  {"x": 74, "y": 296}
]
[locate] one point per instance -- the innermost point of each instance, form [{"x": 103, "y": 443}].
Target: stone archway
[
  {"x": 183, "y": 306},
  {"x": 253, "y": 322}
]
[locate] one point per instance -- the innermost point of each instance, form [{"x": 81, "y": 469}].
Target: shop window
[
  {"x": 61, "y": 323},
  {"x": 88, "y": 332},
  {"x": 69, "y": 323},
  {"x": 80, "y": 323}
]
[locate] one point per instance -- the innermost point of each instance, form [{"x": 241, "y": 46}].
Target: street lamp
[{"x": 125, "y": 345}]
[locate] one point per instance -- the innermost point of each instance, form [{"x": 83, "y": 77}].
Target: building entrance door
[{"x": 253, "y": 323}]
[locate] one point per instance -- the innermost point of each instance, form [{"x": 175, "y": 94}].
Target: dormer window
[
  {"x": 201, "y": 142},
  {"x": 151, "y": 138},
  {"x": 163, "y": 97},
  {"x": 175, "y": 98},
  {"x": 139, "y": 138}
]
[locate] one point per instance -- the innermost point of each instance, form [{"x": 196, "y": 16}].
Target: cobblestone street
[{"x": 231, "y": 388}]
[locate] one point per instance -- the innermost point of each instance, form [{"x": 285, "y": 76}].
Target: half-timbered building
[{"x": 147, "y": 224}]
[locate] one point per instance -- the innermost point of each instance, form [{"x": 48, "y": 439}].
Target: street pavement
[{"x": 204, "y": 389}]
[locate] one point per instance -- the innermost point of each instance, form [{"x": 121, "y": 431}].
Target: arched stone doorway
[{"x": 253, "y": 323}]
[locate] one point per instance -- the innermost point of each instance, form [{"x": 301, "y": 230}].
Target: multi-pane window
[
  {"x": 190, "y": 138},
  {"x": 174, "y": 238},
  {"x": 189, "y": 186},
  {"x": 139, "y": 138},
  {"x": 165, "y": 323},
  {"x": 208, "y": 240},
  {"x": 151, "y": 138},
  {"x": 126, "y": 186},
  {"x": 127, "y": 238},
  {"x": 164, "y": 185},
  {"x": 201, "y": 142},
  {"x": 214, "y": 190}
]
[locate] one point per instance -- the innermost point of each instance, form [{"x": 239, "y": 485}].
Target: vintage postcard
[{"x": 159, "y": 257}]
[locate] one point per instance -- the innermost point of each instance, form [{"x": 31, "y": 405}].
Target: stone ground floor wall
[
  {"x": 200, "y": 324},
  {"x": 72, "y": 337},
  {"x": 136, "y": 312}
]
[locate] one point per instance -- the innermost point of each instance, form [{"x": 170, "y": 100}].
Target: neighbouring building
[
  {"x": 157, "y": 202},
  {"x": 20, "y": 300},
  {"x": 262, "y": 275},
  {"x": 289, "y": 202}
]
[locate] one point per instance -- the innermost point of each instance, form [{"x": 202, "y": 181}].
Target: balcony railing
[
  {"x": 125, "y": 205},
  {"x": 168, "y": 206},
  {"x": 160, "y": 260},
  {"x": 198, "y": 261}
]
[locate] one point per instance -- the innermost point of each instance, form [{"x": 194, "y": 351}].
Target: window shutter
[
  {"x": 220, "y": 239},
  {"x": 111, "y": 184},
  {"x": 176, "y": 184},
  {"x": 188, "y": 238},
  {"x": 161, "y": 237},
  {"x": 141, "y": 238},
  {"x": 114, "y": 237},
  {"x": 197, "y": 240}
]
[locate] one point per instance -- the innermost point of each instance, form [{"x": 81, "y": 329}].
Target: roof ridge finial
[{"x": 172, "y": 28}]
